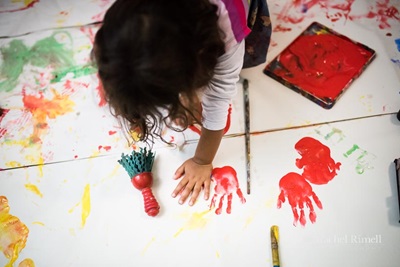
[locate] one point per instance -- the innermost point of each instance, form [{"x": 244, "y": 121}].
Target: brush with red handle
[{"x": 138, "y": 165}]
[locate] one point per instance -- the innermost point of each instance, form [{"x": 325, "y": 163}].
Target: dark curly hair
[{"x": 148, "y": 52}]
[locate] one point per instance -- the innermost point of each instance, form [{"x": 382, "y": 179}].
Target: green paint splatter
[{"x": 47, "y": 52}]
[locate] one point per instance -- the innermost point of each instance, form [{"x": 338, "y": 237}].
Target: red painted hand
[
  {"x": 298, "y": 192},
  {"x": 226, "y": 183}
]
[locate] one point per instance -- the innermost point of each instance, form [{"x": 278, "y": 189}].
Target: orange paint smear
[
  {"x": 13, "y": 234},
  {"x": 43, "y": 109}
]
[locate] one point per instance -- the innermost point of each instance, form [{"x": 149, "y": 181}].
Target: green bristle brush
[{"x": 138, "y": 165}]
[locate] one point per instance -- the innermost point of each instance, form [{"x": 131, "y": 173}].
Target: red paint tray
[{"x": 320, "y": 64}]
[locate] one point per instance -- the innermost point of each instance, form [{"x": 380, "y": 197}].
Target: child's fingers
[
  {"x": 195, "y": 193},
  {"x": 179, "y": 188},
  {"x": 186, "y": 192},
  {"x": 179, "y": 172},
  {"x": 207, "y": 184}
]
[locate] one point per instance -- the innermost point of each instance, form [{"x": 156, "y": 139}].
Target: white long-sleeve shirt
[{"x": 218, "y": 94}]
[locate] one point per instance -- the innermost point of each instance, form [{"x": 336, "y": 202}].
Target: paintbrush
[{"x": 247, "y": 131}]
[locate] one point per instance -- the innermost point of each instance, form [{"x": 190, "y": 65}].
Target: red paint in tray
[{"x": 320, "y": 64}]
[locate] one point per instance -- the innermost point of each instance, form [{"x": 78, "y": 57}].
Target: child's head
[{"x": 150, "y": 51}]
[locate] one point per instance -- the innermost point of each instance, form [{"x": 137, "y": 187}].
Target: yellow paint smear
[
  {"x": 13, "y": 164},
  {"x": 26, "y": 2},
  {"x": 85, "y": 204},
  {"x": 196, "y": 221},
  {"x": 34, "y": 189},
  {"x": 148, "y": 245},
  {"x": 26, "y": 263},
  {"x": 13, "y": 233}
]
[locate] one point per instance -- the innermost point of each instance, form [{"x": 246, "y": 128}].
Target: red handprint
[
  {"x": 298, "y": 192},
  {"x": 316, "y": 162},
  {"x": 226, "y": 183}
]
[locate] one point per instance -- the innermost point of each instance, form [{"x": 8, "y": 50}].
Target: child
[{"x": 174, "y": 55}]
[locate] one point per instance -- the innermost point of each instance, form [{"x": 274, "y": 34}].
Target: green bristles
[{"x": 137, "y": 162}]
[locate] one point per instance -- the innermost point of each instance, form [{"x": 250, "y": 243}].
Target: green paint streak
[
  {"x": 350, "y": 151},
  {"x": 77, "y": 71},
  {"x": 47, "y": 52}
]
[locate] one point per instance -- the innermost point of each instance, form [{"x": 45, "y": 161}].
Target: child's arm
[{"x": 196, "y": 171}]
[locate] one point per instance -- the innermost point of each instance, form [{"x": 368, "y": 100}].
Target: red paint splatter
[
  {"x": 322, "y": 64},
  {"x": 111, "y": 132},
  {"x": 316, "y": 162},
  {"x": 76, "y": 156},
  {"x": 101, "y": 93},
  {"x": 280, "y": 28},
  {"x": 3, "y": 131},
  {"x": 383, "y": 13},
  {"x": 299, "y": 194},
  {"x": 27, "y": 5},
  {"x": 226, "y": 184},
  {"x": 106, "y": 148}
]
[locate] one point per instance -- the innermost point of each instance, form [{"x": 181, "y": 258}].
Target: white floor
[{"x": 60, "y": 175}]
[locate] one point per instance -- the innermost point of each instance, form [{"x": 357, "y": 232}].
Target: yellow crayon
[{"x": 274, "y": 245}]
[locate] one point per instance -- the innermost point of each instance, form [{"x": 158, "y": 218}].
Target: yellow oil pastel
[
  {"x": 274, "y": 245},
  {"x": 34, "y": 189}
]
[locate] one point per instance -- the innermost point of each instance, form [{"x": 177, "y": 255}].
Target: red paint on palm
[
  {"x": 226, "y": 184},
  {"x": 299, "y": 193},
  {"x": 316, "y": 161},
  {"x": 143, "y": 182}
]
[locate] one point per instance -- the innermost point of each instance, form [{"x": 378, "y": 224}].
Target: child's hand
[{"x": 194, "y": 177}]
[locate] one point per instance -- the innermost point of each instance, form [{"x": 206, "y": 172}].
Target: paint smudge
[
  {"x": 13, "y": 234},
  {"x": 331, "y": 134},
  {"x": 85, "y": 204},
  {"x": 26, "y": 263},
  {"x": 196, "y": 221},
  {"x": 318, "y": 168},
  {"x": 34, "y": 189},
  {"x": 101, "y": 93},
  {"x": 299, "y": 194},
  {"x": 18, "y": 5},
  {"x": 316, "y": 162},
  {"x": 106, "y": 148},
  {"x": 47, "y": 52},
  {"x": 361, "y": 157},
  {"x": 381, "y": 12},
  {"x": 43, "y": 109},
  {"x": 397, "y": 42},
  {"x": 396, "y": 62},
  {"x": 226, "y": 184},
  {"x": 295, "y": 12},
  {"x": 153, "y": 239}
]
